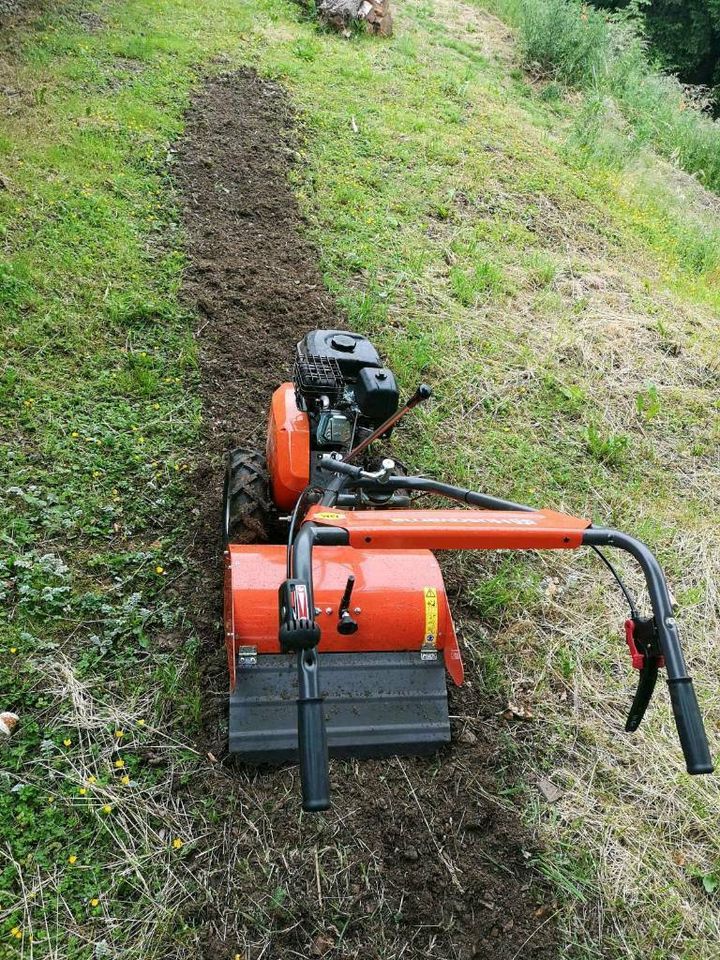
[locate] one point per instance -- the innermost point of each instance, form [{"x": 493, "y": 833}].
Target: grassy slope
[{"x": 570, "y": 335}]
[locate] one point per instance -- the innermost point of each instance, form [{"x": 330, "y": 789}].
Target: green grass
[
  {"x": 607, "y": 57},
  {"x": 566, "y": 315}
]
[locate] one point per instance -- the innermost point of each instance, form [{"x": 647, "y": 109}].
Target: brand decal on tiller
[{"x": 495, "y": 521}]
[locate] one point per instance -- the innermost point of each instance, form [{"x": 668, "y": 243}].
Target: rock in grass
[{"x": 8, "y": 722}]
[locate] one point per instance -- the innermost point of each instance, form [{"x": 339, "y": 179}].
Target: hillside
[{"x": 184, "y": 189}]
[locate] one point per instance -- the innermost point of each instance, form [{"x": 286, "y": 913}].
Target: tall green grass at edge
[{"x": 607, "y": 55}]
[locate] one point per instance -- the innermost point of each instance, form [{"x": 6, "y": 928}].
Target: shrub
[{"x": 607, "y": 56}]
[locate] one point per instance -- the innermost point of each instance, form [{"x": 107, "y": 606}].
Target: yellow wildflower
[
  {"x": 125, "y": 780},
  {"x": 119, "y": 734},
  {"x": 119, "y": 764},
  {"x": 92, "y": 779},
  {"x": 72, "y": 859},
  {"x": 141, "y": 722},
  {"x": 95, "y": 902},
  {"x": 82, "y": 791},
  {"x": 107, "y": 808},
  {"x": 177, "y": 843},
  {"x": 159, "y": 569},
  {"x": 67, "y": 742},
  {"x": 74, "y": 434},
  {"x": 13, "y": 649}
]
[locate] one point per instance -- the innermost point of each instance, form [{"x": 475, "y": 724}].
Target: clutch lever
[{"x": 642, "y": 638}]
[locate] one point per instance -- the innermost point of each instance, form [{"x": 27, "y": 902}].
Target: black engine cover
[{"x": 350, "y": 351}]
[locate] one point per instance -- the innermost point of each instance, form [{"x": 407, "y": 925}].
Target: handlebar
[
  {"x": 304, "y": 635},
  {"x": 421, "y": 485},
  {"x": 686, "y": 711},
  {"x": 312, "y": 736},
  {"x": 300, "y": 633}
]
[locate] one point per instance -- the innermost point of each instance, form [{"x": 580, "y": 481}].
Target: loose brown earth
[{"x": 416, "y": 858}]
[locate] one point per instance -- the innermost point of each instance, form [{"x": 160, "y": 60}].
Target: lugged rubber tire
[{"x": 246, "y": 498}]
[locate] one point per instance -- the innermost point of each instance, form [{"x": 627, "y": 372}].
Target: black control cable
[{"x": 620, "y": 582}]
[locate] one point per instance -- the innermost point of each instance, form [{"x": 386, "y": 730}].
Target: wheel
[{"x": 246, "y": 498}]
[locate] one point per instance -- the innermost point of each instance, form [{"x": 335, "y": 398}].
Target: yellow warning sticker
[
  {"x": 431, "y": 615},
  {"x": 329, "y": 516}
]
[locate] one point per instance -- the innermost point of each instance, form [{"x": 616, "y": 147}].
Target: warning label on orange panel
[{"x": 431, "y": 615}]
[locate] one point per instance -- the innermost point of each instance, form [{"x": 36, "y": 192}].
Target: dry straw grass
[{"x": 609, "y": 323}]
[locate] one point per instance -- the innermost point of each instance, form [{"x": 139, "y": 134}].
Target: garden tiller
[{"x": 339, "y": 636}]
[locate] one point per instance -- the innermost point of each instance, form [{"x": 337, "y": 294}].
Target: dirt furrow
[{"x": 415, "y": 859}]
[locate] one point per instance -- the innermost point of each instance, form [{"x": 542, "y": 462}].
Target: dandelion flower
[
  {"x": 119, "y": 764},
  {"x": 95, "y": 902},
  {"x": 119, "y": 734},
  {"x": 177, "y": 843},
  {"x": 82, "y": 791},
  {"x": 16, "y": 932},
  {"x": 13, "y": 649},
  {"x": 92, "y": 779},
  {"x": 125, "y": 780},
  {"x": 72, "y": 859},
  {"x": 107, "y": 808},
  {"x": 74, "y": 434},
  {"x": 141, "y": 722},
  {"x": 67, "y": 742},
  {"x": 159, "y": 569}
]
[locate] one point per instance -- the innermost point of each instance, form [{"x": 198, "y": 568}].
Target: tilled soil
[{"x": 416, "y": 859}]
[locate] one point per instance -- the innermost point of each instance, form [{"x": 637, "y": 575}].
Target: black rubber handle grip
[
  {"x": 423, "y": 392},
  {"x": 340, "y": 466},
  {"x": 312, "y": 744},
  {"x": 690, "y": 726}
]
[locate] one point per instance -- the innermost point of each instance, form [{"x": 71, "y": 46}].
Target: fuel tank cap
[{"x": 344, "y": 343}]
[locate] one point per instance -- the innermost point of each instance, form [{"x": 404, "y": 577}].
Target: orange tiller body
[
  {"x": 400, "y": 597},
  {"x": 288, "y": 448}
]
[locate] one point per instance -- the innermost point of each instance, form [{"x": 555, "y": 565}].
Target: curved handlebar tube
[
  {"x": 682, "y": 694},
  {"x": 312, "y": 734},
  {"x": 421, "y": 484}
]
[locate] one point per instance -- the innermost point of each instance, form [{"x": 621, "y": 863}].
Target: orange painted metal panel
[
  {"x": 455, "y": 529},
  {"x": 390, "y": 590},
  {"x": 288, "y": 448}
]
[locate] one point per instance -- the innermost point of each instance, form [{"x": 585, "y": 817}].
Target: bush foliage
[{"x": 608, "y": 56}]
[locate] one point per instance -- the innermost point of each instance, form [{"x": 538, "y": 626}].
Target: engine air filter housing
[{"x": 350, "y": 351}]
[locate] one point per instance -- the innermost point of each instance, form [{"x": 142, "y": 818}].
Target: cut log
[{"x": 341, "y": 13}]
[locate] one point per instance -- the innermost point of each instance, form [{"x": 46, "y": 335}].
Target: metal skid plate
[{"x": 376, "y": 704}]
